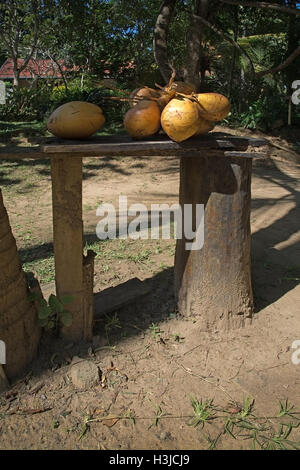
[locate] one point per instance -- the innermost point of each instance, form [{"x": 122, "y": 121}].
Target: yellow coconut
[
  {"x": 180, "y": 119},
  {"x": 213, "y": 106},
  {"x": 76, "y": 120},
  {"x": 204, "y": 127},
  {"x": 143, "y": 120}
]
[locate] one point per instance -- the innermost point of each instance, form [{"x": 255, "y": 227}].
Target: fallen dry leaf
[{"x": 110, "y": 420}]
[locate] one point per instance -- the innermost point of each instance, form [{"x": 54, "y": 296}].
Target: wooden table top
[{"x": 161, "y": 145}]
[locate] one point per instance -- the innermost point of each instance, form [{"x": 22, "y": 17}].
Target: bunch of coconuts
[{"x": 177, "y": 108}]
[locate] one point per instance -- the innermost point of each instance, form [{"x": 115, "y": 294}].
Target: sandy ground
[{"x": 151, "y": 362}]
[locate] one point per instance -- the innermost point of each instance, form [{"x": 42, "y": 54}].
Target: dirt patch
[{"x": 163, "y": 383}]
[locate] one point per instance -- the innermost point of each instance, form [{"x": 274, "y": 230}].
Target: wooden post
[
  {"x": 66, "y": 173},
  {"x": 214, "y": 283},
  {"x": 88, "y": 297}
]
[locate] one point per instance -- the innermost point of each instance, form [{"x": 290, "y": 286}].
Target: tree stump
[
  {"x": 214, "y": 283},
  {"x": 18, "y": 316}
]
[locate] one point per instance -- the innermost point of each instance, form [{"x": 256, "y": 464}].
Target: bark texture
[
  {"x": 88, "y": 298},
  {"x": 196, "y": 62},
  {"x": 214, "y": 283},
  {"x": 18, "y": 316},
  {"x": 160, "y": 46}
]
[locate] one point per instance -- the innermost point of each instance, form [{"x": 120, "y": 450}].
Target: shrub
[
  {"x": 24, "y": 104},
  {"x": 262, "y": 113}
]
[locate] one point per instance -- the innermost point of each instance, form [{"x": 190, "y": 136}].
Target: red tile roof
[{"x": 43, "y": 68}]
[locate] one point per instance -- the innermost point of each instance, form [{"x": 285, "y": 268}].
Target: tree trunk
[
  {"x": 18, "y": 316},
  {"x": 160, "y": 47},
  {"x": 194, "y": 72},
  {"x": 213, "y": 283},
  {"x": 234, "y": 55},
  {"x": 293, "y": 42},
  {"x": 16, "y": 80}
]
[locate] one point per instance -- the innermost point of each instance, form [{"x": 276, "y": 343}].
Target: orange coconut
[
  {"x": 143, "y": 93},
  {"x": 143, "y": 120}
]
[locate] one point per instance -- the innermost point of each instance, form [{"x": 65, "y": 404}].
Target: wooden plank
[
  {"x": 161, "y": 145},
  {"x": 245, "y": 154},
  {"x": 114, "y": 298},
  {"x": 66, "y": 175},
  {"x": 115, "y": 146}
]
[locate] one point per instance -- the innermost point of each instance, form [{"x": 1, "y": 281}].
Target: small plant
[
  {"x": 55, "y": 423},
  {"x": 285, "y": 409},
  {"x": 84, "y": 427},
  {"x": 203, "y": 412},
  {"x": 53, "y": 313},
  {"x": 111, "y": 324},
  {"x": 159, "y": 413},
  {"x": 155, "y": 330},
  {"x": 247, "y": 407},
  {"x": 177, "y": 338}
]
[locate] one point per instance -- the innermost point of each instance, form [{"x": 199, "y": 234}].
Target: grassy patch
[
  {"x": 44, "y": 268},
  {"x": 12, "y": 128}
]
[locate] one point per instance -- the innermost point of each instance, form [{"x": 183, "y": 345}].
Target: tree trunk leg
[
  {"x": 66, "y": 173},
  {"x": 214, "y": 283},
  {"x": 19, "y": 328},
  {"x": 4, "y": 384}
]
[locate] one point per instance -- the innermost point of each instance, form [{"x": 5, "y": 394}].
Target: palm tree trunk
[{"x": 18, "y": 317}]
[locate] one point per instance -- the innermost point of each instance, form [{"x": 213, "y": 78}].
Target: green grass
[
  {"x": 44, "y": 268},
  {"x": 13, "y": 127},
  {"x": 23, "y": 176}
]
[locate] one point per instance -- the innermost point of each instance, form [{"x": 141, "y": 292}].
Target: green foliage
[
  {"x": 25, "y": 104},
  {"x": 92, "y": 92},
  {"x": 53, "y": 313},
  {"x": 262, "y": 113}
]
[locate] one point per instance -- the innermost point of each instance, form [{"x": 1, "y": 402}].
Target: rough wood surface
[
  {"x": 122, "y": 146},
  {"x": 66, "y": 175},
  {"x": 214, "y": 283},
  {"x": 4, "y": 384},
  {"x": 157, "y": 146},
  {"x": 18, "y": 316},
  {"x": 88, "y": 297}
]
